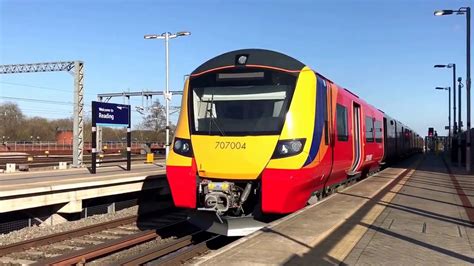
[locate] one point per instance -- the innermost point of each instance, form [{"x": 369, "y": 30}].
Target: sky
[{"x": 383, "y": 51}]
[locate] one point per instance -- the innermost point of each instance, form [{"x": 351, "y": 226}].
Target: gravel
[
  {"x": 111, "y": 260},
  {"x": 39, "y": 231}
]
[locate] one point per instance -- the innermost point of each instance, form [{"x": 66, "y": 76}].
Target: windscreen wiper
[{"x": 213, "y": 118}]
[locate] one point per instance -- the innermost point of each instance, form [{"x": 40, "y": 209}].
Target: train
[{"x": 261, "y": 133}]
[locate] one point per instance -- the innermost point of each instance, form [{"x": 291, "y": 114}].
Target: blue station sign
[{"x": 110, "y": 114}]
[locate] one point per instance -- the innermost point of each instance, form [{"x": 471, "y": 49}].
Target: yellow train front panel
[{"x": 232, "y": 157}]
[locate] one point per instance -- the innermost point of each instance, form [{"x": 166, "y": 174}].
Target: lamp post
[
  {"x": 167, "y": 36},
  {"x": 465, "y": 11},
  {"x": 453, "y": 66},
  {"x": 449, "y": 111},
  {"x": 456, "y": 126}
]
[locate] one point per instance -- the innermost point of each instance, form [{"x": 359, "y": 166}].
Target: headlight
[
  {"x": 183, "y": 147},
  {"x": 286, "y": 148}
]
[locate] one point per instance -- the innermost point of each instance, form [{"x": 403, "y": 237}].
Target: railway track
[
  {"x": 175, "y": 252},
  {"x": 88, "y": 243},
  {"x": 37, "y": 242}
]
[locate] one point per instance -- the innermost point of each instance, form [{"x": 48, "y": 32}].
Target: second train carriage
[{"x": 260, "y": 133}]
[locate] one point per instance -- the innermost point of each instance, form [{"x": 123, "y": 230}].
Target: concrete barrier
[
  {"x": 62, "y": 165},
  {"x": 23, "y": 167},
  {"x": 10, "y": 168}
]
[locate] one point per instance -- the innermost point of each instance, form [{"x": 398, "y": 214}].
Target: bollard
[
  {"x": 150, "y": 158},
  {"x": 101, "y": 158}
]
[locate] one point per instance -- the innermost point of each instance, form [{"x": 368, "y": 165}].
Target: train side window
[
  {"x": 342, "y": 132},
  {"x": 369, "y": 129},
  {"x": 378, "y": 131}
]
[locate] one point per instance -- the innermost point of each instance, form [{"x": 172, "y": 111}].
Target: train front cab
[{"x": 227, "y": 140}]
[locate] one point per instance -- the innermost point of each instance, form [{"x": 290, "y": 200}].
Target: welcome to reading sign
[{"x": 110, "y": 114}]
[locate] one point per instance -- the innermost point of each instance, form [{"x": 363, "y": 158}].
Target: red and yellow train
[{"x": 262, "y": 133}]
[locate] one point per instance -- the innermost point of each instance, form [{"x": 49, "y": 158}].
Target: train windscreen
[{"x": 237, "y": 102}]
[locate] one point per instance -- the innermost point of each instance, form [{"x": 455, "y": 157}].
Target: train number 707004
[{"x": 233, "y": 145}]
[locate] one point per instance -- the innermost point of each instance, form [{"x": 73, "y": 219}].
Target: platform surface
[
  {"x": 400, "y": 216},
  {"x": 20, "y": 181},
  {"x": 35, "y": 189}
]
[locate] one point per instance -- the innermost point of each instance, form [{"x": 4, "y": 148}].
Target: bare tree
[
  {"x": 11, "y": 120},
  {"x": 153, "y": 127},
  {"x": 156, "y": 120},
  {"x": 38, "y": 128}
]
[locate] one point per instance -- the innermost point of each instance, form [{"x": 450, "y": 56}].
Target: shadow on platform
[{"x": 319, "y": 254}]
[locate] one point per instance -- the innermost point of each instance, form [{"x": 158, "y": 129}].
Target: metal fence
[{"x": 24, "y": 146}]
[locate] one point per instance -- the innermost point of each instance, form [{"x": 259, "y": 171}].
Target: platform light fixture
[
  {"x": 465, "y": 11},
  {"x": 443, "y": 12},
  {"x": 167, "y": 36}
]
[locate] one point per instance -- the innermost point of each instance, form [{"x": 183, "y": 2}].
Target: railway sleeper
[{"x": 14, "y": 261}]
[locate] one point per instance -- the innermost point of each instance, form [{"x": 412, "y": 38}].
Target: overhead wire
[
  {"x": 40, "y": 87},
  {"x": 38, "y": 100}
]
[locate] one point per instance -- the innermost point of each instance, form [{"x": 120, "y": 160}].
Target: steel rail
[
  {"x": 168, "y": 248},
  {"x": 44, "y": 240},
  {"x": 182, "y": 256},
  {"x": 88, "y": 254},
  {"x": 83, "y": 255},
  {"x": 157, "y": 252}
]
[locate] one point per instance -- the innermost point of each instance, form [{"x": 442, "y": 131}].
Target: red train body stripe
[
  {"x": 286, "y": 191},
  {"x": 256, "y": 66},
  {"x": 182, "y": 182}
]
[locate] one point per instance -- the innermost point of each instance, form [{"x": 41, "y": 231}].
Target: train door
[
  {"x": 342, "y": 145},
  {"x": 402, "y": 141},
  {"x": 397, "y": 151},
  {"x": 357, "y": 141}
]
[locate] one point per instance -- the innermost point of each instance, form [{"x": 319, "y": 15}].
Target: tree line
[{"x": 16, "y": 126}]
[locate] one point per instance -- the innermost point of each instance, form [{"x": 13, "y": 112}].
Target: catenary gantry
[{"x": 77, "y": 69}]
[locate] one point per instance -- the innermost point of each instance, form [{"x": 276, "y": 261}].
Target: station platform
[
  {"x": 20, "y": 191},
  {"x": 412, "y": 213}
]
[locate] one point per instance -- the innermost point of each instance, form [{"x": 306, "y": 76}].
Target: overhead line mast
[{"x": 76, "y": 68}]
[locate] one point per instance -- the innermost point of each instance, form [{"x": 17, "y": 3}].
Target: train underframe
[
  {"x": 228, "y": 207},
  {"x": 233, "y": 208}
]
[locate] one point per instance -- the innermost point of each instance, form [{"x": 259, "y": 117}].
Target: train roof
[
  {"x": 253, "y": 57},
  {"x": 263, "y": 57}
]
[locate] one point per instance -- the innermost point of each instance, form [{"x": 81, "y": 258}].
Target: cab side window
[
  {"x": 341, "y": 119},
  {"x": 369, "y": 129},
  {"x": 378, "y": 131}
]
